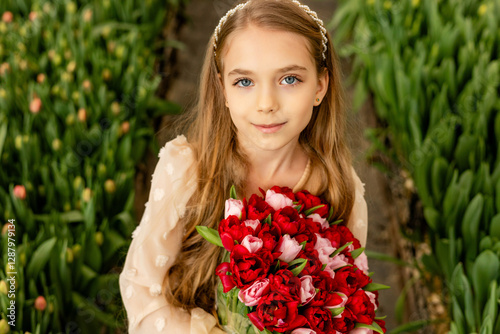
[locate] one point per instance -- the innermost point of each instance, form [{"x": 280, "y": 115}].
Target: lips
[{"x": 269, "y": 128}]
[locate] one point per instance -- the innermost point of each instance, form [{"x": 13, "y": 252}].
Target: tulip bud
[
  {"x": 35, "y": 105},
  {"x": 99, "y": 238},
  {"x": 20, "y": 192},
  {"x": 125, "y": 127},
  {"x": 87, "y": 15},
  {"x": 415, "y": 3},
  {"x": 67, "y": 54},
  {"x": 70, "y": 119},
  {"x": 71, "y": 66},
  {"x": 56, "y": 144},
  {"x": 3, "y": 93},
  {"x": 56, "y": 90},
  {"x": 57, "y": 59},
  {"x": 115, "y": 108},
  {"x": 482, "y": 9},
  {"x": 18, "y": 142},
  {"x": 78, "y": 182},
  {"x": 87, "y": 86},
  {"x": 106, "y": 74},
  {"x": 4, "y": 68},
  {"x": 3, "y": 288},
  {"x": 67, "y": 207},
  {"x": 75, "y": 96},
  {"x": 40, "y": 78},
  {"x": 69, "y": 255},
  {"x": 101, "y": 170},
  {"x": 22, "y": 259},
  {"x": 67, "y": 77},
  {"x": 4, "y": 327},
  {"x": 76, "y": 250},
  {"x": 82, "y": 115},
  {"x": 5, "y": 228},
  {"x": 120, "y": 51},
  {"x": 71, "y": 7},
  {"x": 110, "y": 186},
  {"x": 105, "y": 32},
  {"x": 32, "y": 16},
  {"x": 40, "y": 303},
  {"x": 86, "y": 194},
  {"x": 7, "y": 17}
]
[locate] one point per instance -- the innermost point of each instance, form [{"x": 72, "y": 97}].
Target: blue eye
[
  {"x": 290, "y": 80},
  {"x": 244, "y": 83}
]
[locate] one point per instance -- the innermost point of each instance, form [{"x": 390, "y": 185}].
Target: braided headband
[{"x": 311, "y": 13}]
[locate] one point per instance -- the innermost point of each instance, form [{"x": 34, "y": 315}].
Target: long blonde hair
[{"x": 191, "y": 281}]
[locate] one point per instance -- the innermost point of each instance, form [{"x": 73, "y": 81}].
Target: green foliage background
[
  {"x": 432, "y": 68},
  {"x": 77, "y": 84}
]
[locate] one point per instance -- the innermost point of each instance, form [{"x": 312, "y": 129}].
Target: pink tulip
[
  {"x": 35, "y": 105},
  {"x": 20, "y": 192},
  {"x": 251, "y": 295},
  {"x": 277, "y": 201},
  {"x": 289, "y": 248},
  {"x": 303, "y": 331},
  {"x": 362, "y": 262},
  {"x": 32, "y": 16},
  {"x": 307, "y": 289},
  {"x": 40, "y": 303},
  {"x": 253, "y": 244},
  {"x": 7, "y": 17},
  {"x": 318, "y": 219},
  {"x": 233, "y": 207},
  {"x": 253, "y": 223}
]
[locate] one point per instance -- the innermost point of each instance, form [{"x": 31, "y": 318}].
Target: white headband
[{"x": 311, "y": 13}]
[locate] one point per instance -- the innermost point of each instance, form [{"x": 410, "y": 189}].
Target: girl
[{"x": 270, "y": 112}]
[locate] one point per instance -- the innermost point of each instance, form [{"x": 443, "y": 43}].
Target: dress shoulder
[
  {"x": 358, "y": 221},
  {"x": 155, "y": 245}
]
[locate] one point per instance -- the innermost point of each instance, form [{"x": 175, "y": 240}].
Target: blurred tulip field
[
  {"x": 77, "y": 100},
  {"x": 432, "y": 70}
]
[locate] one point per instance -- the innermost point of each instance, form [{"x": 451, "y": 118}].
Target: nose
[{"x": 267, "y": 99}]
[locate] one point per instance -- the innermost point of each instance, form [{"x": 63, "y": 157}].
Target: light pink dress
[{"x": 157, "y": 241}]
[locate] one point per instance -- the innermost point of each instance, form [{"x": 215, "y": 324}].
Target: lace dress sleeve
[
  {"x": 358, "y": 222},
  {"x": 155, "y": 245}
]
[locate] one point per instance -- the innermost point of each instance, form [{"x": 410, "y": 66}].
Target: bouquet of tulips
[{"x": 289, "y": 268}]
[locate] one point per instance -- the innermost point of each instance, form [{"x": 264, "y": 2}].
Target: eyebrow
[{"x": 281, "y": 70}]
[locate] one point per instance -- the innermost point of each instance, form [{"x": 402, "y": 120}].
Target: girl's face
[{"x": 270, "y": 85}]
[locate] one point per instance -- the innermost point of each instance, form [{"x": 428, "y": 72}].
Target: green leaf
[
  {"x": 296, "y": 271},
  {"x": 311, "y": 210},
  {"x": 485, "y": 270},
  {"x": 340, "y": 249},
  {"x": 210, "y": 235},
  {"x": 297, "y": 261},
  {"x": 268, "y": 220},
  {"x": 232, "y": 192},
  {"x": 336, "y": 311},
  {"x": 40, "y": 257},
  {"x": 357, "y": 252},
  {"x": 374, "y": 327},
  {"x": 470, "y": 225},
  {"x": 337, "y": 222},
  {"x": 375, "y": 287},
  {"x": 330, "y": 214}
]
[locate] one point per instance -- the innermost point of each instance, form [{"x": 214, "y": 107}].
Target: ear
[{"x": 322, "y": 87}]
